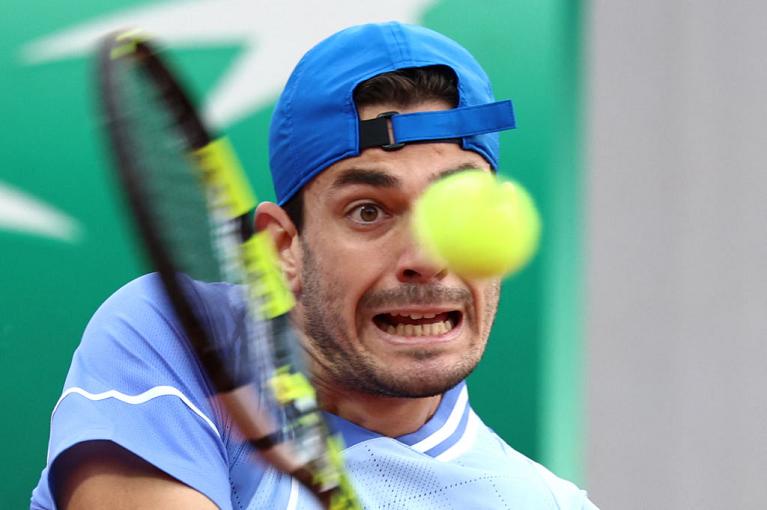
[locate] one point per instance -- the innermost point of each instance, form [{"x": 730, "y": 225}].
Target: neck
[{"x": 388, "y": 416}]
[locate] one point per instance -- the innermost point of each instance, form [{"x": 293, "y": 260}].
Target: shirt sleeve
[{"x": 134, "y": 381}]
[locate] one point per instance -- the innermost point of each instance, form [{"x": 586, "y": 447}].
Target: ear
[{"x": 272, "y": 218}]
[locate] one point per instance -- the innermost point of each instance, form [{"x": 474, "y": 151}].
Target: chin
[
  {"x": 423, "y": 390},
  {"x": 423, "y": 375}
]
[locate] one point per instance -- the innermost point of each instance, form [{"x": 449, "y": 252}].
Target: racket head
[
  {"x": 154, "y": 131},
  {"x": 197, "y": 227}
]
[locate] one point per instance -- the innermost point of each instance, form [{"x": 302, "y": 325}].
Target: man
[{"x": 390, "y": 335}]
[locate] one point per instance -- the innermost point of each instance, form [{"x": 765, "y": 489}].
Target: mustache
[{"x": 416, "y": 294}]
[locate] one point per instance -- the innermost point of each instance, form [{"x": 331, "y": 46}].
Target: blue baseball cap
[{"x": 315, "y": 122}]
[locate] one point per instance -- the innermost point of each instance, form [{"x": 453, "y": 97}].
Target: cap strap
[{"x": 436, "y": 125}]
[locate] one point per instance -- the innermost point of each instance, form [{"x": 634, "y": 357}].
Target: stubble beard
[{"x": 347, "y": 365}]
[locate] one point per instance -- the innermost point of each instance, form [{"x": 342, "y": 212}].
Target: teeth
[
  {"x": 414, "y": 316},
  {"x": 434, "y": 329}
]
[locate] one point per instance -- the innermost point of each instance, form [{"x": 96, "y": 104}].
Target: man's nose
[{"x": 415, "y": 265}]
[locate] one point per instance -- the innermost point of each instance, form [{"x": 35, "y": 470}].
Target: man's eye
[{"x": 366, "y": 213}]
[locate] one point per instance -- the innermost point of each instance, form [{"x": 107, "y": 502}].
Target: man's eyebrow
[
  {"x": 380, "y": 179},
  {"x": 375, "y": 178},
  {"x": 454, "y": 170}
]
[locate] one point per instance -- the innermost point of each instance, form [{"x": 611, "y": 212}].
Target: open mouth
[{"x": 417, "y": 324}]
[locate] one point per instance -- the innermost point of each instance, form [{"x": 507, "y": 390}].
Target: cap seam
[
  {"x": 289, "y": 121},
  {"x": 396, "y": 33}
]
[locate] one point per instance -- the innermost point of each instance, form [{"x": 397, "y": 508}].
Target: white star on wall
[{"x": 273, "y": 36}]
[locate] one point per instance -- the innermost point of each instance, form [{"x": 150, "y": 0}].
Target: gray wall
[{"x": 676, "y": 325}]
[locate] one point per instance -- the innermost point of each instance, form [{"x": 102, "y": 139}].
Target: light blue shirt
[{"x": 134, "y": 381}]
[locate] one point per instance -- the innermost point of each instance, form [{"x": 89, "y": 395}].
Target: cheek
[
  {"x": 347, "y": 270},
  {"x": 492, "y": 292},
  {"x": 487, "y": 293},
  {"x": 492, "y": 296},
  {"x": 351, "y": 263}
]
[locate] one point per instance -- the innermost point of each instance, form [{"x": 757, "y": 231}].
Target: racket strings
[{"x": 167, "y": 175}]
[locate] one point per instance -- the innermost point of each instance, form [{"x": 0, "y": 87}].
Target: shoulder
[
  {"x": 134, "y": 381},
  {"x": 565, "y": 494},
  {"x": 136, "y": 327},
  {"x": 453, "y": 461},
  {"x": 144, "y": 304},
  {"x": 134, "y": 349}
]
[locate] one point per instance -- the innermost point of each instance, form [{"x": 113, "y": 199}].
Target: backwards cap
[{"x": 315, "y": 121}]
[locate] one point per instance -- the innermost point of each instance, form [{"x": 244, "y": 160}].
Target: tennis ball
[{"x": 477, "y": 225}]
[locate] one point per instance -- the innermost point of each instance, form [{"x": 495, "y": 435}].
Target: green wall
[{"x": 527, "y": 387}]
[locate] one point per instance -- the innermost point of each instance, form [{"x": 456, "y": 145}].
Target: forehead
[{"x": 410, "y": 168}]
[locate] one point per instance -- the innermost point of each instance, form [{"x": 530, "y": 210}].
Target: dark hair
[
  {"x": 403, "y": 88},
  {"x": 406, "y": 87}
]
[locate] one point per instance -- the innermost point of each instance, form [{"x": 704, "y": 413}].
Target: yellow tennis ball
[{"x": 477, "y": 225}]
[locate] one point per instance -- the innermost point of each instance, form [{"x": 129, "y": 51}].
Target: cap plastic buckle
[{"x": 391, "y": 146}]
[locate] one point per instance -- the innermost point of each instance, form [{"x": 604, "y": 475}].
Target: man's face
[{"x": 379, "y": 316}]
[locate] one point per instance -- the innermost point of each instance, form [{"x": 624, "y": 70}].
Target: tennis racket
[{"x": 192, "y": 207}]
